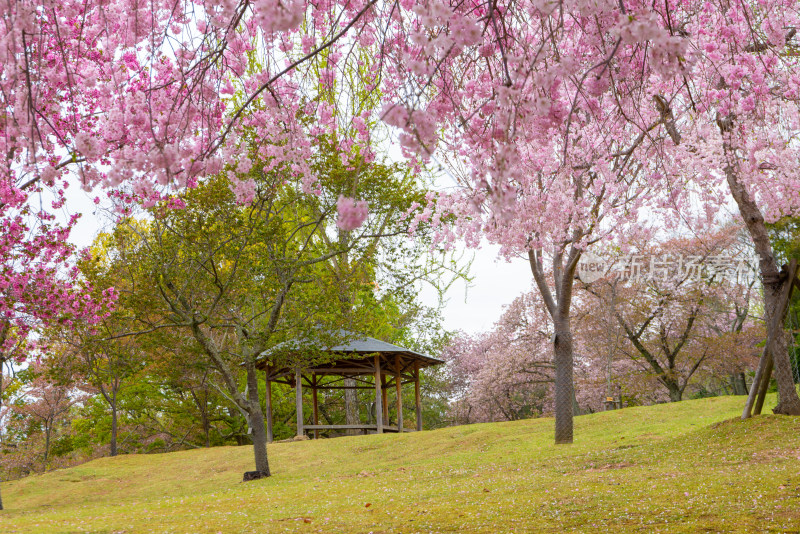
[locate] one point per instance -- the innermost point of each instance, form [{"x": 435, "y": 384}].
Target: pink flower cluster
[{"x": 352, "y": 213}]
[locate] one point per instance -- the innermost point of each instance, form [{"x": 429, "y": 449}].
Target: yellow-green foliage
[{"x": 684, "y": 467}]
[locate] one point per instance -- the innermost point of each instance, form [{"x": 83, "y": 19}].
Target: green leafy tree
[{"x": 240, "y": 279}]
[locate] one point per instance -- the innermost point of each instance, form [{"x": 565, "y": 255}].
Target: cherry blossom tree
[
  {"x": 159, "y": 96},
  {"x": 560, "y": 148},
  {"x": 507, "y": 373},
  {"x": 688, "y": 317},
  {"x": 39, "y": 282},
  {"x": 504, "y": 374},
  {"x": 739, "y": 115},
  {"x": 688, "y": 97},
  {"x": 45, "y": 403}
]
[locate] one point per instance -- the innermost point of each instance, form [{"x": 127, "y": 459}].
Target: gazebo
[{"x": 372, "y": 364}]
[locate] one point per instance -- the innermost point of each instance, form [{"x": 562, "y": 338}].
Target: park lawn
[{"x": 684, "y": 467}]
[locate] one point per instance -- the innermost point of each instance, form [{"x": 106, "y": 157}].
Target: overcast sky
[{"x": 475, "y": 308}]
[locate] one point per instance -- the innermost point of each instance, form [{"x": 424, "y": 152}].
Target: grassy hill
[{"x": 685, "y": 467}]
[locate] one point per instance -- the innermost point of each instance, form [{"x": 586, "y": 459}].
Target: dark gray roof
[
  {"x": 365, "y": 345},
  {"x": 370, "y": 345}
]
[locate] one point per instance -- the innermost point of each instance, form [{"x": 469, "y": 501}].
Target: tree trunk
[
  {"x": 564, "y": 388},
  {"x": 738, "y": 383},
  {"x": 257, "y": 426},
  {"x": 675, "y": 394},
  {"x": 46, "y": 444},
  {"x": 558, "y": 308},
  {"x": 202, "y": 406},
  {"x": 788, "y": 401},
  {"x": 743, "y": 384},
  {"x": 114, "y": 426},
  {"x": 206, "y": 428},
  {"x": 251, "y": 405},
  {"x": 351, "y": 405}
]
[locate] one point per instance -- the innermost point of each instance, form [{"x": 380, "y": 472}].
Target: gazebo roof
[
  {"x": 362, "y": 346},
  {"x": 369, "y": 345}
]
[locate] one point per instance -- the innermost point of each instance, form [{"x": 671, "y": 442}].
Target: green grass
[{"x": 685, "y": 467}]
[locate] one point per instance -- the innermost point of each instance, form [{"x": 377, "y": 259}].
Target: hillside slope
[{"x": 684, "y": 467}]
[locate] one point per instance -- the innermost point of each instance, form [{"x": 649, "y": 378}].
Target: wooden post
[
  {"x": 378, "y": 396},
  {"x": 316, "y": 410},
  {"x": 385, "y": 399},
  {"x": 268, "y": 397},
  {"x": 298, "y": 400},
  {"x": 417, "y": 395},
  {"x": 398, "y": 385}
]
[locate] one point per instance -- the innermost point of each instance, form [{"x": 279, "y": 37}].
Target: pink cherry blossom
[{"x": 351, "y": 213}]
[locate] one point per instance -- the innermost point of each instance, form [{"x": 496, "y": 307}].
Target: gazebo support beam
[
  {"x": 378, "y": 396},
  {"x": 298, "y": 400},
  {"x": 385, "y": 392},
  {"x": 316, "y": 409},
  {"x": 417, "y": 398},
  {"x": 268, "y": 397},
  {"x": 399, "y": 389}
]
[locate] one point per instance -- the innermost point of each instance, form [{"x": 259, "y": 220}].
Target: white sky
[
  {"x": 495, "y": 283},
  {"x": 90, "y": 224}
]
